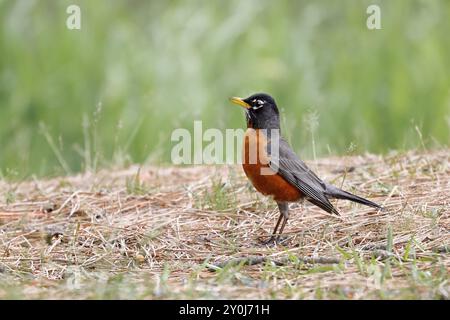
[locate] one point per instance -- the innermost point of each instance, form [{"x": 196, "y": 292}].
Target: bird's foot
[
  {"x": 271, "y": 241},
  {"x": 274, "y": 240}
]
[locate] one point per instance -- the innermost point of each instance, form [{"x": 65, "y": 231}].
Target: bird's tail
[{"x": 337, "y": 193}]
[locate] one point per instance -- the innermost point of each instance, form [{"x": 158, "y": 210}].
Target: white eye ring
[{"x": 259, "y": 102}]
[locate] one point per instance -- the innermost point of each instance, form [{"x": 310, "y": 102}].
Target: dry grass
[{"x": 169, "y": 233}]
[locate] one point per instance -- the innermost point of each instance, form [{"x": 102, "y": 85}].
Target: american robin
[{"x": 275, "y": 170}]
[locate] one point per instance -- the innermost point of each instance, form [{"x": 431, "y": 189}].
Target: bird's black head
[{"x": 261, "y": 111}]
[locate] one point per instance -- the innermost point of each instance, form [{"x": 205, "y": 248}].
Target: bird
[{"x": 275, "y": 170}]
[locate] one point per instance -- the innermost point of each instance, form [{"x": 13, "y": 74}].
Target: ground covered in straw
[{"x": 196, "y": 232}]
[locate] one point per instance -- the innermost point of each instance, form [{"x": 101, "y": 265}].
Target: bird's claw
[{"x": 274, "y": 240}]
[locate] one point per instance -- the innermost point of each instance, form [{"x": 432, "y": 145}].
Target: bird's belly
[
  {"x": 271, "y": 185},
  {"x": 257, "y": 170}
]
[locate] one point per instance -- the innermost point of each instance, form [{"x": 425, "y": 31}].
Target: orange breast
[{"x": 256, "y": 167}]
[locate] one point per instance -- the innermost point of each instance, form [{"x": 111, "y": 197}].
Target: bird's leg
[
  {"x": 276, "y": 226},
  {"x": 272, "y": 237},
  {"x": 284, "y": 211},
  {"x": 283, "y": 207}
]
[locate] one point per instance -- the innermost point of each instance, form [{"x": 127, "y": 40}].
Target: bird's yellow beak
[{"x": 240, "y": 102}]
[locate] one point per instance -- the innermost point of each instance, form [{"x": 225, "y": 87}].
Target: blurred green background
[{"x": 112, "y": 92}]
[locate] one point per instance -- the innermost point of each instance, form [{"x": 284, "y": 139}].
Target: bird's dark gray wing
[{"x": 295, "y": 171}]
